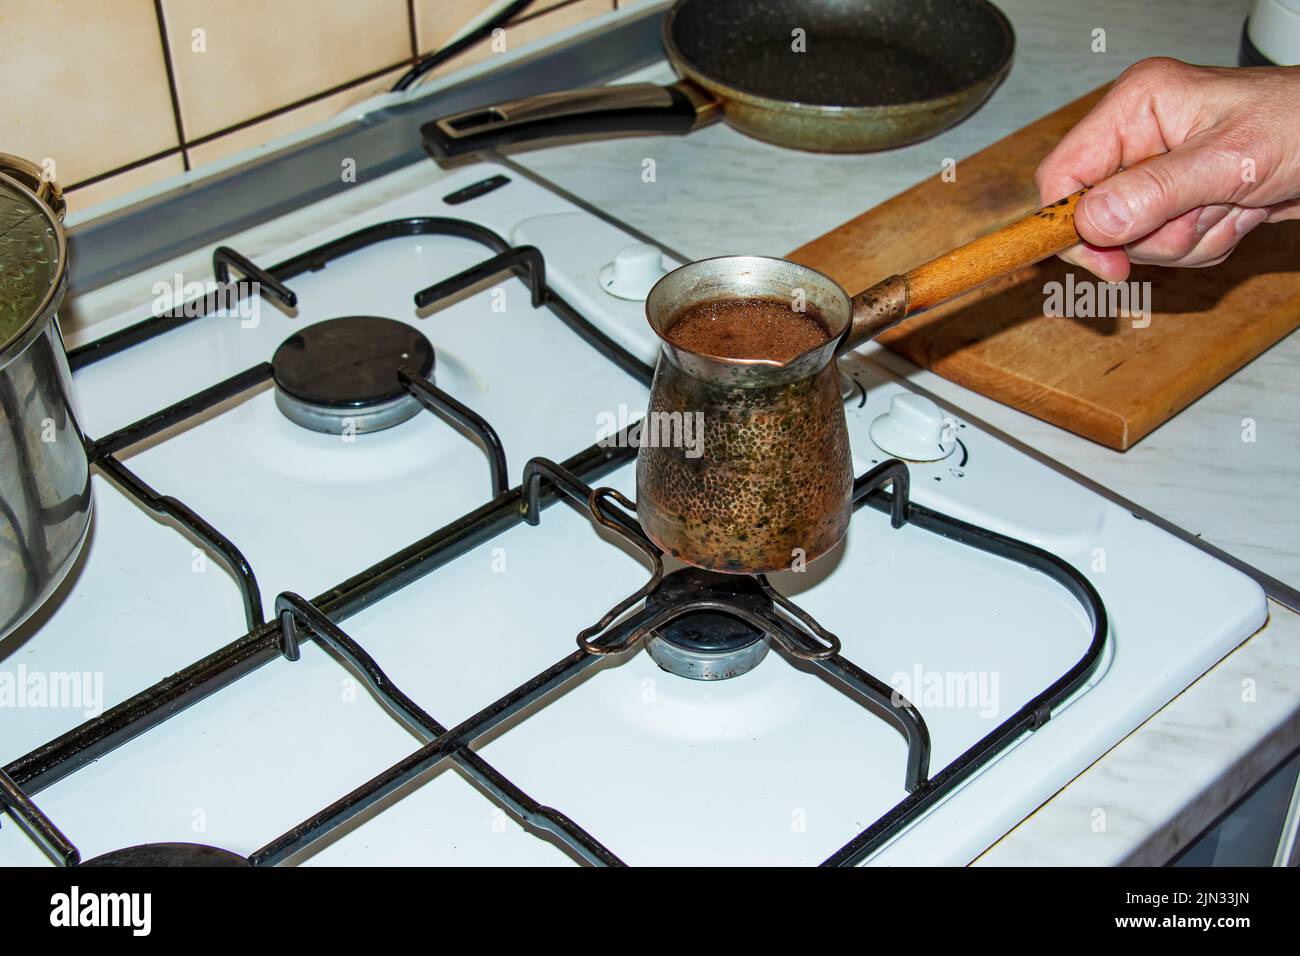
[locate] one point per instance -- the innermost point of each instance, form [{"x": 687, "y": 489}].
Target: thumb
[{"x": 1139, "y": 200}]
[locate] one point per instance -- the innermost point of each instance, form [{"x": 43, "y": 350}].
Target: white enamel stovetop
[{"x": 770, "y": 768}]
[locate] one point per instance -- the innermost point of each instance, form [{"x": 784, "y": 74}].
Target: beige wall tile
[
  {"x": 530, "y": 30},
  {"x": 123, "y": 183},
  {"x": 83, "y": 83},
  {"x": 292, "y": 121},
  {"x": 264, "y": 54},
  {"x": 437, "y": 21}
]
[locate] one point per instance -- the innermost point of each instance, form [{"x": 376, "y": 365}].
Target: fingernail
[
  {"x": 1249, "y": 219},
  {"x": 1109, "y": 213},
  {"x": 1071, "y": 255},
  {"x": 1210, "y": 215}
]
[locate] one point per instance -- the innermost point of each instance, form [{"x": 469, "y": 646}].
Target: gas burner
[
  {"x": 707, "y": 645},
  {"x": 168, "y": 854},
  {"x": 341, "y": 376}
]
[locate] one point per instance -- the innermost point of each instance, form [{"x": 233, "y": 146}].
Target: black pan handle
[{"x": 624, "y": 108}]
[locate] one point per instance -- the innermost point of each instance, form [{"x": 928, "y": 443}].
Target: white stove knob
[
  {"x": 914, "y": 429},
  {"x": 634, "y": 271}
]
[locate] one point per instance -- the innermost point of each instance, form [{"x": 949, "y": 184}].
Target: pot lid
[{"x": 33, "y": 260}]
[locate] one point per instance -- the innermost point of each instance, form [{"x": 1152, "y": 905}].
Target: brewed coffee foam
[{"x": 747, "y": 329}]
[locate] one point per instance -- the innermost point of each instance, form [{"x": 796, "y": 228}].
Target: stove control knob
[
  {"x": 914, "y": 429},
  {"x": 634, "y": 271}
]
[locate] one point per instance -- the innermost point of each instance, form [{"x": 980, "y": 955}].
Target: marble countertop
[{"x": 716, "y": 192}]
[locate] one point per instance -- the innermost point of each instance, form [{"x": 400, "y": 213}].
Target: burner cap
[
  {"x": 341, "y": 375},
  {"x": 707, "y": 645},
  {"x": 168, "y": 854}
]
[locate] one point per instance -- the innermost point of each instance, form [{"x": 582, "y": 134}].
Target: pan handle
[
  {"x": 623, "y": 108},
  {"x": 1035, "y": 237}
]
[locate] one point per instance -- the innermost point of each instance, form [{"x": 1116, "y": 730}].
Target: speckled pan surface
[
  {"x": 862, "y": 75},
  {"x": 856, "y": 52}
]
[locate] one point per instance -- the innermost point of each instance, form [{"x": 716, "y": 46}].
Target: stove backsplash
[{"x": 113, "y": 97}]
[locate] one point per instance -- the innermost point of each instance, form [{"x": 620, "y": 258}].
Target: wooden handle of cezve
[{"x": 1031, "y": 239}]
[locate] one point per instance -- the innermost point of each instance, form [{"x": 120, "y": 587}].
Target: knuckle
[
  {"x": 1153, "y": 71},
  {"x": 1160, "y": 77}
]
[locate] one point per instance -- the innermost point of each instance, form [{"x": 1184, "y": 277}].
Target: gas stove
[{"x": 365, "y": 586}]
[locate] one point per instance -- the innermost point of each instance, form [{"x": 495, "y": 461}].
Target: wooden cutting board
[{"x": 1098, "y": 377}]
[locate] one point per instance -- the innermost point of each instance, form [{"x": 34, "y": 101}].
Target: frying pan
[{"x": 872, "y": 74}]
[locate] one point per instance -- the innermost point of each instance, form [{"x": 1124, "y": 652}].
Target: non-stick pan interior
[{"x": 858, "y": 52}]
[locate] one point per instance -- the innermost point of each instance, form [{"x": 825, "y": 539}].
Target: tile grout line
[
  {"x": 296, "y": 104},
  {"x": 171, "y": 83},
  {"x": 125, "y": 168},
  {"x": 186, "y": 145},
  {"x": 411, "y": 28},
  {"x": 236, "y": 127},
  {"x": 525, "y": 17}
]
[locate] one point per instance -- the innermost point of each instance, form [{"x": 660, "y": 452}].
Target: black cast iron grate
[{"x": 544, "y": 482}]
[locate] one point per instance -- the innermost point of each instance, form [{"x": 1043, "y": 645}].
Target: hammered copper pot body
[{"x": 767, "y": 482}]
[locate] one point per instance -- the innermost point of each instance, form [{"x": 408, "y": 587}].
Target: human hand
[{"x": 1219, "y": 151}]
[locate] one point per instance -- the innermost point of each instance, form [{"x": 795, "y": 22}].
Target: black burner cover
[
  {"x": 351, "y": 362},
  {"x": 168, "y": 854}
]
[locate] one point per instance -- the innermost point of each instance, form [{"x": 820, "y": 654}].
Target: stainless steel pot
[{"x": 44, "y": 466}]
